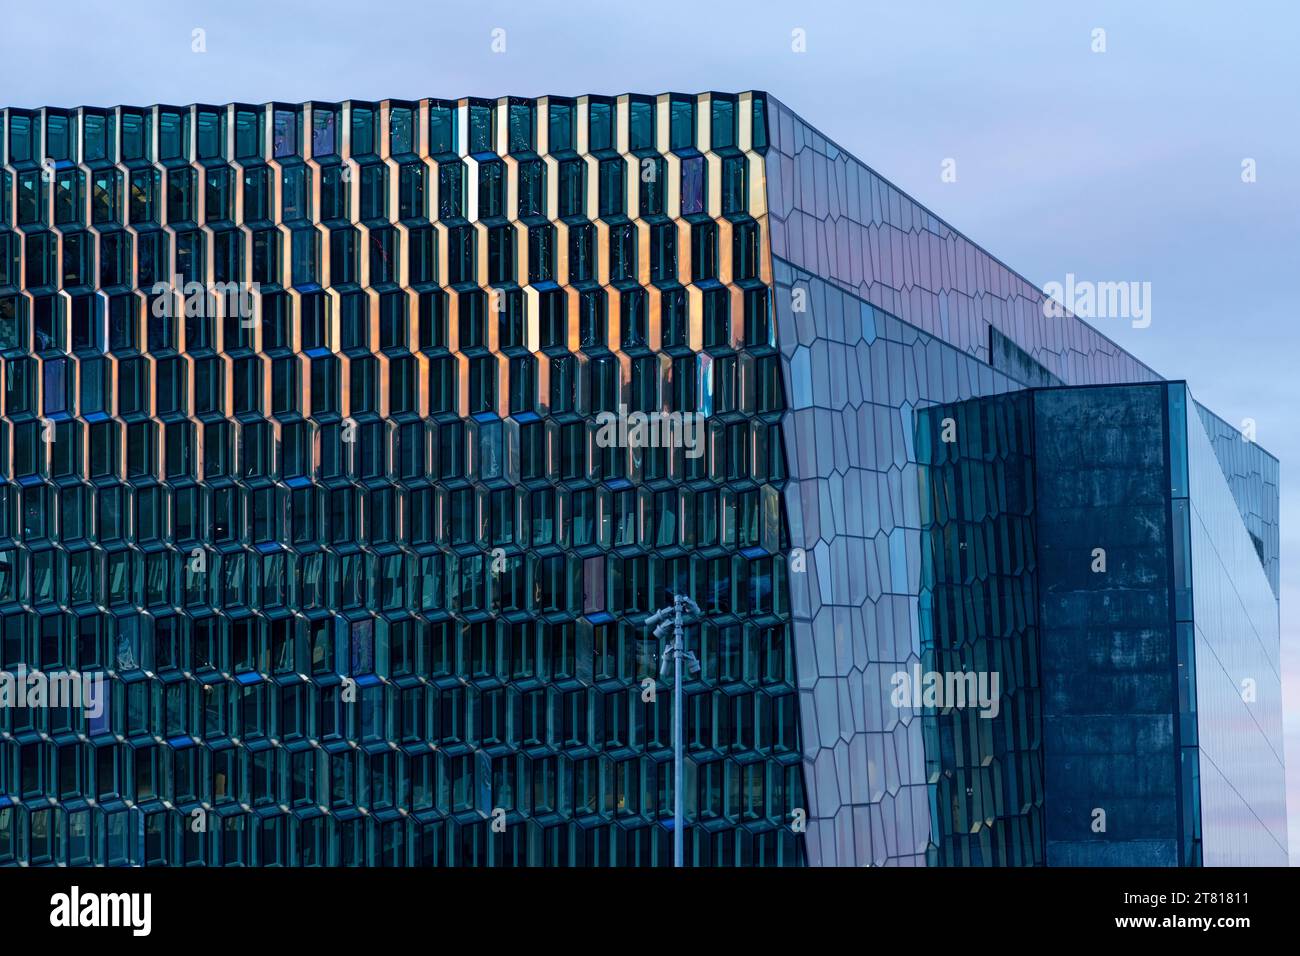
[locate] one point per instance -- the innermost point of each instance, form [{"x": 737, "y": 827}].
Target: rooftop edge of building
[{"x": 573, "y": 99}]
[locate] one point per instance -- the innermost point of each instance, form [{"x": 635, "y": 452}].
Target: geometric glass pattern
[
  {"x": 303, "y": 454},
  {"x": 883, "y": 309},
  {"x": 300, "y": 450}
]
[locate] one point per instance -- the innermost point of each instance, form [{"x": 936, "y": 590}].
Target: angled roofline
[{"x": 947, "y": 225}]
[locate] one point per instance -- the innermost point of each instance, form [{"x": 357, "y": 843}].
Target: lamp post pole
[
  {"x": 679, "y": 803},
  {"x": 661, "y": 621}
]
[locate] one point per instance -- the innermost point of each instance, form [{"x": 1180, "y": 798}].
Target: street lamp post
[{"x": 661, "y": 621}]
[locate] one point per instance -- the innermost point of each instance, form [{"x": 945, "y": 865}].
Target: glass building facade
[
  {"x": 301, "y": 454},
  {"x": 1084, "y": 542},
  {"x": 883, "y": 309}
]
